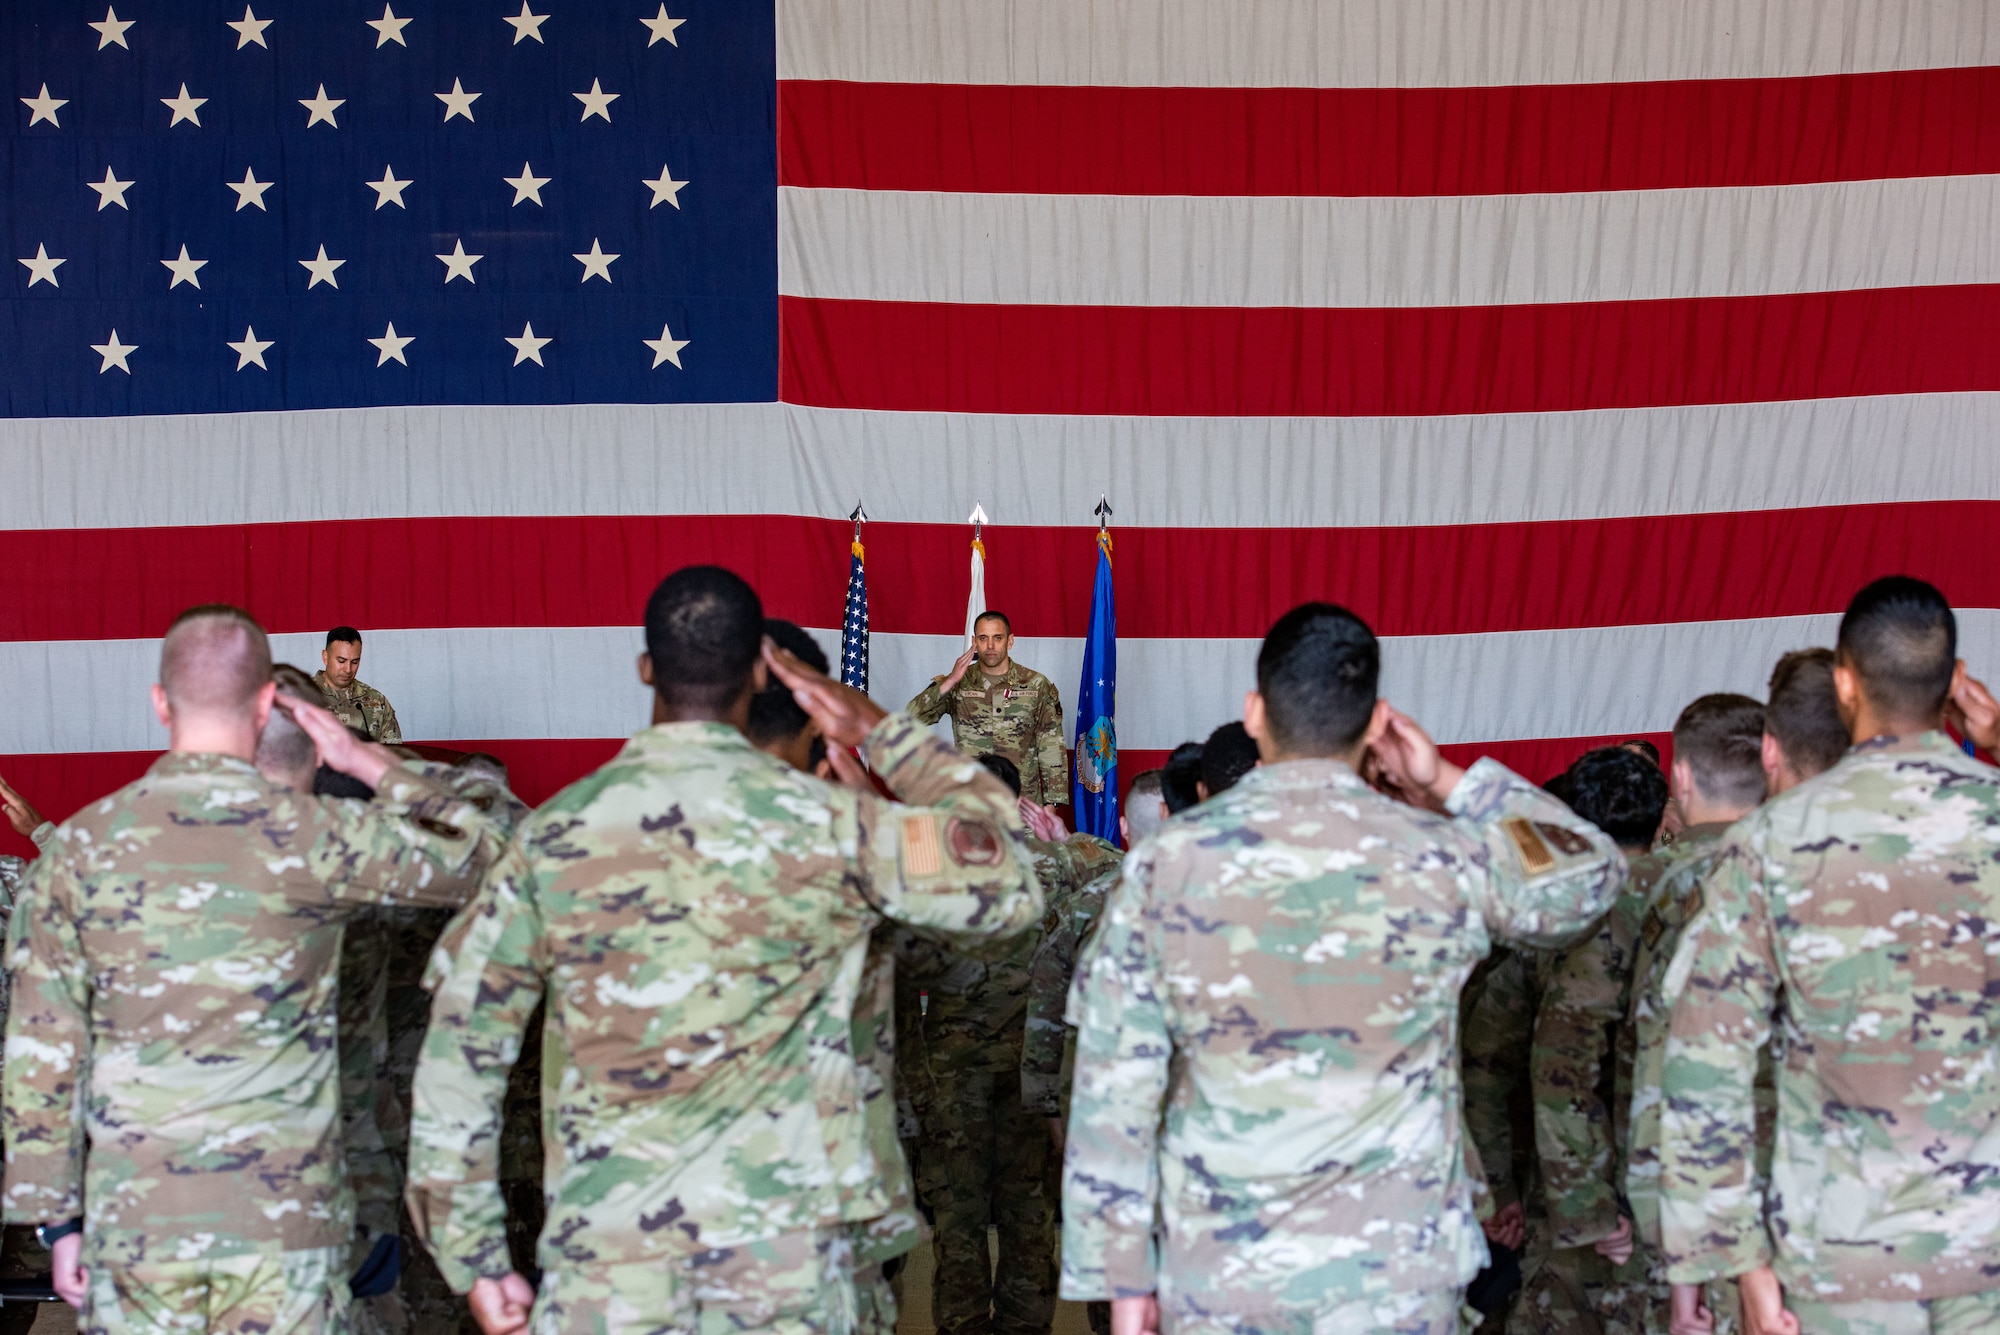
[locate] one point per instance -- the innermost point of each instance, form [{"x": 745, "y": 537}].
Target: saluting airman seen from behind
[
  {"x": 698, "y": 915},
  {"x": 1265, "y": 1131},
  {"x": 1853, "y": 924}
]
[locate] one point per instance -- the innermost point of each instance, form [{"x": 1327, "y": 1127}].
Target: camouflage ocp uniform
[
  {"x": 1076, "y": 875},
  {"x": 698, "y": 916},
  {"x": 1854, "y": 922},
  {"x": 172, "y": 1072},
  {"x": 361, "y": 706},
  {"x": 1017, "y": 715},
  {"x": 1265, "y": 1124}
]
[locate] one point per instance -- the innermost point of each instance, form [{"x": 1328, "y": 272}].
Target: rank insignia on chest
[{"x": 1529, "y": 846}]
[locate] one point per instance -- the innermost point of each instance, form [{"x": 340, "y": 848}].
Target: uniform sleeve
[
  {"x": 48, "y": 1052},
  {"x": 389, "y": 732},
  {"x": 1044, "y": 1035},
  {"x": 1725, "y": 979},
  {"x": 485, "y": 980},
  {"x": 931, "y": 704},
  {"x": 1541, "y": 874},
  {"x": 418, "y": 844},
  {"x": 1495, "y": 1032},
  {"x": 1111, "y": 1182},
  {"x": 948, "y": 858},
  {"x": 1583, "y": 1001},
  {"x": 43, "y": 833},
  {"x": 1048, "y": 744}
]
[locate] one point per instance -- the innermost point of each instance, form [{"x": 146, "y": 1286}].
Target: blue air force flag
[{"x": 1096, "y": 783}]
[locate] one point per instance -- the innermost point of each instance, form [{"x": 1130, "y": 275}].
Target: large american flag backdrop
[{"x": 1595, "y": 350}]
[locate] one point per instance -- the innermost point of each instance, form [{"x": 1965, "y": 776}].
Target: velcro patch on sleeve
[
  {"x": 973, "y": 844},
  {"x": 1529, "y": 846},
  {"x": 923, "y": 855},
  {"x": 1565, "y": 839}
]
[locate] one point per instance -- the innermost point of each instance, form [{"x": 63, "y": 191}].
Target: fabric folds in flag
[
  {"x": 975, "y": 597},
  {"x": 854, "y": 623},
  {"x": 1095, "y": 783}
]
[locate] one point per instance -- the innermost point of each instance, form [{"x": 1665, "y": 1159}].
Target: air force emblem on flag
[{"x": 1096, "y": 753}]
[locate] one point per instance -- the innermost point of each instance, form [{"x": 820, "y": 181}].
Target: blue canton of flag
[
  {"x": 335, "y": 204},
  {"x": 854, "y": 625},
  {"x": 1095, "y": 787}
]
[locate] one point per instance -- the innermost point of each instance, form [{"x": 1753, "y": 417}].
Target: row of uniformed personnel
[{"x": 1265, "y": 1127}]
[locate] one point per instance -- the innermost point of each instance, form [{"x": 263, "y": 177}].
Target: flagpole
[{"x": 975, "y": 598}]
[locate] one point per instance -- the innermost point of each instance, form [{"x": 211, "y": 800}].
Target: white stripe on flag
[
  {"x": 1371, "y": 43},
  {"x": 581, "y": 682},
  {"x": 1476, "y": 250},
  {"x": 1264, "y": 472}
]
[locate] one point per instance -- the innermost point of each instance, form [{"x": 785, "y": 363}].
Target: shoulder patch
[
  {"x": 1692, "y": 903},
  {"x": 972, "y": 844},
  {"x": 1529, "y": 849},
  {"x": 922, "y": 855},
  {"x": 1566, "y": 840}
]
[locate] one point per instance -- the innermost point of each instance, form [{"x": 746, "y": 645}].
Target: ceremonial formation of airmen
[{"x": 311, "y": 1031}]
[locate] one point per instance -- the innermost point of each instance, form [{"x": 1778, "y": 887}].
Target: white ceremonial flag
[{"x": 975, "y": 599}]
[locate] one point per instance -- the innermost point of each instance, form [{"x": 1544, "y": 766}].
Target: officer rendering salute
[
  {"x": 1264, "y": 1131},
  {"x": 1003, "y": 708},
  {"x": 171, "y": 1100},
  {"x": 1853, "y": 923},
  {"x": 698, "y": 915}
]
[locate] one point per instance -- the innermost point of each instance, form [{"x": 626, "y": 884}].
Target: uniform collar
[
  {"x": 1316, "y": 772},
  {"x": 175, "y": 763},
  {"x": 1931, "y": 742},
  {"x": 1016, "y": 675},
  {"x": 706, "y": 734}
]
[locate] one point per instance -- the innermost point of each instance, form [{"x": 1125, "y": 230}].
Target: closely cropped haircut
[
  {"x": 1317, "y": 672},
  {"x": 1004, "y": 770},
  {"x": 1622, "y": 794},
  {"x": 1721, "y": 737},
  {"x": 342, "y": 635},
  {"x": 775, "y": 714},
  {"x": 704, "y": 630},
  {"x": 285, "y": 749},
  {"x": 1803, "y": 716},
  {"x": 1229, "y": 753},
  {"x": 1901, "y": 639},
  {"x": 1642, "y": 748},
  {"x": 214, "y": 660},
  {"x": 990, "y": 615},
  {"x": 1142, "y": 804},
  {"x": 1179, "y": 777},
  {"x": 484, "y": 764}
]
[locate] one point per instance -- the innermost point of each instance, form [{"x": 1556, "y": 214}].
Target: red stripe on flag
[
  {"x": 1288, "y": 361},
  {"x": 1005, "y": 139},
  {"x": 1202, "y": 583},
  {"x": 59, "y": 785}
]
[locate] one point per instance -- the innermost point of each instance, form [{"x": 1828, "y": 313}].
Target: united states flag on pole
[{"x": 1595, "y": 351}]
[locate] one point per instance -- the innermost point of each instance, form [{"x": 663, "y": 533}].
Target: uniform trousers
[
  {"x": 301, "y": 1292},
  {"x": 794, "y": 1284},
  {"x": 1968, "y": 1314},
  {"x": 1437, "y": 1312}
]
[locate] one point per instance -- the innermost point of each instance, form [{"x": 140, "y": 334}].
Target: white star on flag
[
  {"x": 458, "y": 102},
  {"x": 250, "y": 352},
  {"x": 391, "y": 345},
  {"x": 111, "y": 31},
  {"x": 114, "y": 354},
  {"x": 249, "y": 190},
  {"x": 322, "y": 107},
  {"x": 527, "y": 185},
  {"x": 526, "y": 24},
  {"x": 527, "y": 347},
  {"x": 250, "y": 29},
  {"x": 42, "y": 268},
  {"x": 458, "y": 264},
  {"x": 596, "y": 264},
  {"x": 110, "y": 191},
  {"x": 666, "y": 348},
  {"x": 184, "y": 270},
  {"x": 321, "y": 268},
  {"x": 596, "y": 102},
  {"x": 666, "y": 190},
  {"x": 183, "y": 107},
  {"x": 388, "y": 190},
  {"x": 662, "y": 28},
  {"x": 44, "y": 108},
  {"x": 388, "y": 29}
]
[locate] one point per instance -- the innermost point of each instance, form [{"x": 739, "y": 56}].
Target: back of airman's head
[
  {"x": 1900, "y": 640},
  {"x": 1318, "y": 671},
  {"x": 704, "y": 629},
  {"x": 775, "y": 714},
  {"x": 1803, "y": 716},
  {"x": 214, "y": 661},
  {"x": 1721, "y": 737},
  {"x": 284, "y": 753}
]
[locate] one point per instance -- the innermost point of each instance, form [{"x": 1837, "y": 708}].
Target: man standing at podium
[
  {"x": 1002, "y": 708},
  {"x": 353, "y": 701}
]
